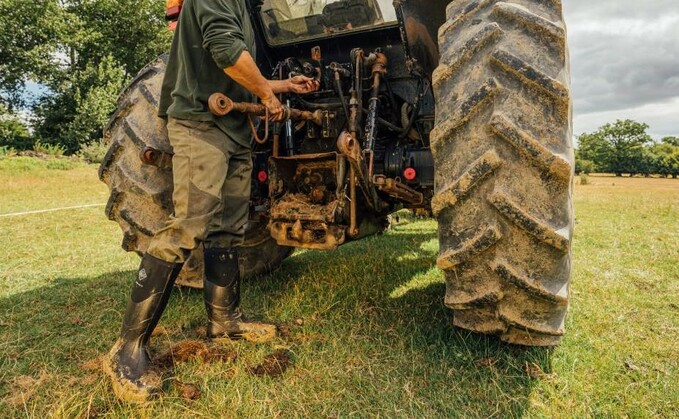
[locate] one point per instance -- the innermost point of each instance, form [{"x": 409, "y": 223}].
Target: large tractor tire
[
  {"x": 504, "y": 168},
  {"x": 141, "y": 194}
]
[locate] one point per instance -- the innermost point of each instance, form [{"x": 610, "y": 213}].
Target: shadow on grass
[{"x": 376, "y": 305}]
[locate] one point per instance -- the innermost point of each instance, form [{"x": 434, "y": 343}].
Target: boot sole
[{"x": 125, "y": 390}]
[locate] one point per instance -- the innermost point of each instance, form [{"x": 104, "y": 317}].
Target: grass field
[{"x": 367, "y": 331}]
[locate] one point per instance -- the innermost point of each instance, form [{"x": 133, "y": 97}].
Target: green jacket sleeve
[{"x": 222, "y": 29}]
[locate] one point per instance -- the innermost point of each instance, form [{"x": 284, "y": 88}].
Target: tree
[
  {"x": 13, "y": 132},
  {"x": 618, "y": 147},
  {"x": 76, "y": 115},
  {"x": 672, "y": 162},
  {"x": 671, "y": 141},
  {"x": 83, "y": 51},
  {"x": 594, "y": 148},
  {"x": 29, "y": 39},
  {"x": 584, "y": 166},
  {"x": 665, "y": 159},
  {"x": 131, "y": 32}
]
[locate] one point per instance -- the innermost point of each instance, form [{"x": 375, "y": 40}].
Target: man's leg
[
  {"x": 222, "y": 270},
  {"x": 128, "y": 361},
  {"x": 199, "y": 171}
]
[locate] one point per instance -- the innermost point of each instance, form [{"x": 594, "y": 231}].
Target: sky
[{"x": 624, "y": 63}]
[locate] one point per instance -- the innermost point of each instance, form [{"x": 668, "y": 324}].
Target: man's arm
[
  {"x": 246, "y": 73},
  {"x": 222, "y": 36},
  {"x": 297, "y": 84}
]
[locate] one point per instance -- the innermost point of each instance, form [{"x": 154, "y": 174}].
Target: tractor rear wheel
[
  {"x": 504, "y": 168},
  {"x": 141, "y": 194}
]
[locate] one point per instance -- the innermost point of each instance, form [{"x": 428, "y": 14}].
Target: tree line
[
  {"x": 82, "y": 53},
  {"x": 624, "y": 147}
]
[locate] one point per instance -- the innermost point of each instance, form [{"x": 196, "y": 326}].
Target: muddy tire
[
  {"x": 141, "y": 195},
  {"x": 504, "y": 168}
]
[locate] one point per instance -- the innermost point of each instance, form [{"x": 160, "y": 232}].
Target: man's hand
[
  {"x": 298, "y": 84},
  {"x": 302, "y": 85},
  {"x": 275, "y": 108}
]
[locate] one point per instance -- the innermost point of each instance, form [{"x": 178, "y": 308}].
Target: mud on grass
[{"x": 373, "y": 338}]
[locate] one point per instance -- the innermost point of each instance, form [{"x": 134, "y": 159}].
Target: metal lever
[{"x": 221, "y": 105}]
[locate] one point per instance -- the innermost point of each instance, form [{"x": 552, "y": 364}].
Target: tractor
[{"x": 459, "y": 110}]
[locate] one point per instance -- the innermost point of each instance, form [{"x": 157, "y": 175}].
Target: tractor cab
[{"x": 286, "y": 21}]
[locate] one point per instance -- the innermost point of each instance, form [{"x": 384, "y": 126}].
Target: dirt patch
[
  {"x": 89, "y": 380},
  {"x": 219, "y": 354},
  {"x": 25, "y": 387},
  {"x": 534, "y": 371},
  {"x": 187, "y": 391},
  {"x": 486, "y": 362},
  {"x": 201, "y": 331},
  {"x": 179, "y": 353},
  {"x": 284, "y": 330},
  {"x": 192, "y": 349},
  {"x": 187, "y": 350},
  {"x": 274, "y": 364},
  {"x": 159, "y": 331},
  {"x": 93, "y": 364}
]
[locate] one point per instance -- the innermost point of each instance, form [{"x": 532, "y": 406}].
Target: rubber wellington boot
[
  {"x": 128, "y": 361},
  {"x": 222, "y": 300}
]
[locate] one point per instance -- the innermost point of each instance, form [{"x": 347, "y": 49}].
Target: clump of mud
[
  {"x": 187, "y": 391},
  {"x": 189, "y": 350},
  {"x": 273, "y": 365}
]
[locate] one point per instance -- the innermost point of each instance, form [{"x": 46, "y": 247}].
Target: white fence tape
[{"x": 16, "y": 214}]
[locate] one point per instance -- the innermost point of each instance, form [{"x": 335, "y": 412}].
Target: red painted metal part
[{"x": 410, "y": 174}]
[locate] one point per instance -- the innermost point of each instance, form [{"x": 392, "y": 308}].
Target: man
[{"x": 212, "y": 51}]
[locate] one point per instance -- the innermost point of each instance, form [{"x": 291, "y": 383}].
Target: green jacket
[{"x": 210, "y": 36}]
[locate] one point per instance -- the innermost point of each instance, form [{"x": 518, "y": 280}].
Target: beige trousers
[{"x": 212, "y": 177}]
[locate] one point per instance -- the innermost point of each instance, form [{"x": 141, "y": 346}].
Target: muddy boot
[
  {"x": 128, "y": 361},
  {"x": 222, "y": 300}
]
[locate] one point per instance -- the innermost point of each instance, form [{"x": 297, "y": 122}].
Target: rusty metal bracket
[
  {"x": 320, "y": 236},
  {"x": 351, "y": 149},
  {"x": 398, "y": 190},
  {"x": 222, "y": 105},
  {"x": 158, "y": 158}
]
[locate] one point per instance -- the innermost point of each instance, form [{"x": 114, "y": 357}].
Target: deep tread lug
[
  {"x": 513, "y": 319},
  {"x": 465, "y": 52},
  {"x": 532, "y": 225},
  {"x": 472, "y": 105},
  {"x": 530, "y": 20},
  {"x": 451, "y": 194},
  {"x": 531, "y": 286},
  {"x": 148, "y": 95},
  {"x": 112, "y": 203},
  {"x": 483, "y": 240},
  {"x": 528, "y": 146},
  {"x": 460, "y": 301},
  {"x": 479, "y": 320},
  {"x": 531, "y": 76}
]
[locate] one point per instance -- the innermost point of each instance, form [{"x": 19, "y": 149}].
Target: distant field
[{"x": 366, "y": 329}]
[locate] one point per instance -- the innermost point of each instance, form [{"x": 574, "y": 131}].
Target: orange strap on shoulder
[{"x": 173, "y": 8}]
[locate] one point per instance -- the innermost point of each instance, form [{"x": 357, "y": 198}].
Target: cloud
[
  {"x": 624, "y": 62},
  {"x": 663, "y": 118}
]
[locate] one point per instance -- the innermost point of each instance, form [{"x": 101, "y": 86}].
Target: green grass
[{"x": 375, "y": 339}]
